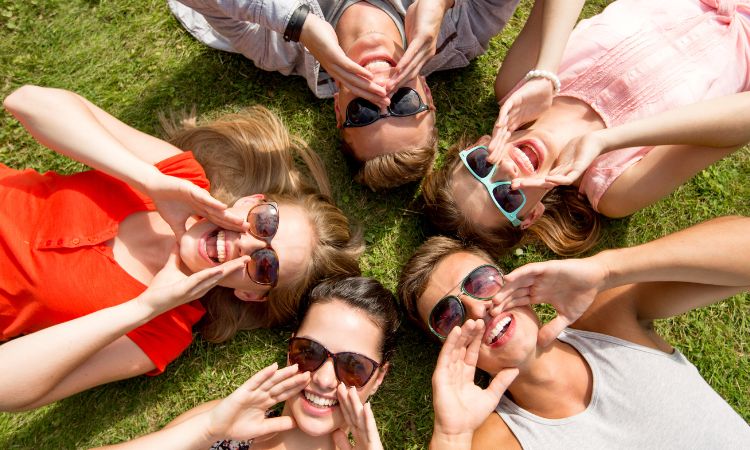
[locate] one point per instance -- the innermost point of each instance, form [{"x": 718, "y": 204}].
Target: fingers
[
  {"x": 472, "y": 351},
  {"x": 341, "y": 440},
  {"x": 502, "y": 380},
  {"x": 551, "y": 330},
  {"x": 522, "y": 183},
  {"x": 562, "y": 180},
  {"x": 276, "y": 424},
  {"x": 371, "y": 426},
  {"x": 261, "y": 376},
  {"x": 497, "y": 144},
  {"x": 290, "y": 387}
]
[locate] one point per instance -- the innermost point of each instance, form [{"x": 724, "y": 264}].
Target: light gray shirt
[
  {"x": 642, "y": 399},
  {"x": 255, "y": 29}
]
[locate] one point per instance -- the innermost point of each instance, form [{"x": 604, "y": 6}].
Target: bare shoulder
[{"x": 494, "y": 434}]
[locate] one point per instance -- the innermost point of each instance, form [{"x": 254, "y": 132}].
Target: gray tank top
[{"x": 642, "y": 399}]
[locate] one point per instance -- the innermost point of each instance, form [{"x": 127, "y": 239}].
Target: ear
[
  {"x": 532, "y": 216},
  {"x": 379, "y": 376},
  {"x": 337, "y": 110},
  {"x": 247, "y": 296}
]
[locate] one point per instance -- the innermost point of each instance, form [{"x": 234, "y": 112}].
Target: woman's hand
[
  {"x": 177, "y": 199},
  {"x": 575, "y": 158},
  {"x": 171, "y": 287},
  {"x": 569, "y": 285},
  {"x": 525, "y": 104},
  {"x": 242, "y": 415},
  {"x": 360, "y": 421},
  {"x": 460, "y": 405},
  {"x": 422, "y": 25},
  {"x": 320, "y": 39}
]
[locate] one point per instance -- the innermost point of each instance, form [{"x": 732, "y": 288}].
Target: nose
[
  {"x": 506, "y": 169},
  {"x": 248, "y": 243},
  {"x": 325, "y": 377},
  {"x": 476, "y": 309}
]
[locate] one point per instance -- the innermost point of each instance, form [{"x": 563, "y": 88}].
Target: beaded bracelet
[{"x": 546, "y": 74}]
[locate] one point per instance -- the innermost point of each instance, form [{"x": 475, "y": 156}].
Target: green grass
[{"x": 131, "y": 58}]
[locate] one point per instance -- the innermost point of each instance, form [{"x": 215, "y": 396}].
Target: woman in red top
[{"x": 75, "y": 249}]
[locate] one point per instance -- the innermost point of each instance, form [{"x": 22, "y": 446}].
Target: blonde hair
[
  {"x": 390, "y": 170},
  {"x": 569, "y": 226},
  {"x": 249, "y": 153}
]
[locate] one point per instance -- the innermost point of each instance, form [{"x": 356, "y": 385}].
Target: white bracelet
[{"x": 546, "y": 74}]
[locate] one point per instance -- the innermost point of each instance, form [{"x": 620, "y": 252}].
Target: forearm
[
  {"x": 62, "y": 121},
  {"x": 721, "y": 122},
  {"x": 558, "y": 19},
  {"x": 716, "y": 252},
  {"x": 187, "y": 435},
  {"x": 34, "y": 364}
]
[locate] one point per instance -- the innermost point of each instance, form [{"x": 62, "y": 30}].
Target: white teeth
[
  {"x": 523, "y": 159},
  {"x": 498, "y": 328},
  {"x": 378, "y": 63},
  {"x": 221, "y": 250},
  {"x": 319, "y": 401}
]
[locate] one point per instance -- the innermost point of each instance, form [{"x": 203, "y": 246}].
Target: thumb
[
  {"x": 502, "y": 380},
  {"x": 277, "y": 424},
  {"x": 549, "y": 332},
  {"x": 178, "y": 227},
  {"x": 341, "y": 440}
]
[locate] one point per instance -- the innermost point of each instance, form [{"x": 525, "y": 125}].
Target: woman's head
[
  {"x": 356, "y": 319},
  {"x": 559, "y": 218},
  {"x": 438, "y": 269},
  {"x": 247, "y": 157}
]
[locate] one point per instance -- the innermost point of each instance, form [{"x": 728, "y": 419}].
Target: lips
[
  {"x": 500, "y": 330},
  {"x": 214, "y": 246},
  {"x": 317, "y": 405},
  {"x": 528, "y": 156}
]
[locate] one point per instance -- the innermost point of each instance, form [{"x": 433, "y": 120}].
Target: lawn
[{"x": 132, "y": 58}]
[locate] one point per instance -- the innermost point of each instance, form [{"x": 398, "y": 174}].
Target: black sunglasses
[
  {"x": 481, "y": 283},
  {"x": 263, "y": 267},
  {"x": 351, "y": 368},
  {"x": 405, "y": 102}
]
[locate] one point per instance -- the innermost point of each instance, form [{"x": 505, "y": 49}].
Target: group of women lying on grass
[{"x": 106, "y": 272}]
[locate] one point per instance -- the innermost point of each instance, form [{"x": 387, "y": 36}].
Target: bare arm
[
  {"x": 68, "y": 124},
  {"x": 722, "y": 122},
  {"x": 73, "y": 356},
  {"x": 715, "y": 253}
]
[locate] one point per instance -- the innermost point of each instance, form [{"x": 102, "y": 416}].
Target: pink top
[{"x": 642, "y": 57}]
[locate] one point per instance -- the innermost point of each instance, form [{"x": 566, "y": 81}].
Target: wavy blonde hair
[
  {"x": 569, "y": 225},
  {"x": 252, "y": 152}
]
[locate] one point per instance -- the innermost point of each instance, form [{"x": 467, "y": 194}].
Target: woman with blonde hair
[
  {"x": 82, "y": 253},
  {"x": 649, "y": 94}
]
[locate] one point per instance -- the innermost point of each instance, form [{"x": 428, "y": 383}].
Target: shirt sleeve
[
  {"x": 185, "y": 166},
  {"x": 226, "y": 16},
  {"x": 165, "y": 337}
]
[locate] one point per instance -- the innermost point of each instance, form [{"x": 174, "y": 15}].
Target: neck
[
  {"x": 556, "y": 383},
  {"x": 361, "y": 19}
]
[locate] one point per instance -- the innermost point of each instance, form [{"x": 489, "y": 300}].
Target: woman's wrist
[
  {"x": 548, "y": 75},
  {"x": 442, "y": 440}
]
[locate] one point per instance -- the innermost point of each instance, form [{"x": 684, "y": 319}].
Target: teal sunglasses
[{"x": 508, "y": 201}]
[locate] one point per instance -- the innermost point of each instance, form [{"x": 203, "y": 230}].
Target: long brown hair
[
  {"x": 252, "y": 152},
  {"x": 569, "y": 225}
]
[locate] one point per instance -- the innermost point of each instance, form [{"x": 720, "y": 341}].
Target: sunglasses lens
[
  {"x": 477, "y": 162},
  {"x": 362, "y": 112},
  {"x": 354, "y": 369},
  {"x": 448, "y": 313},
  {"x": 508, "y": 199},
  {"x": 405, "y": 102},
  {"x": 263, "y": 267},
  {"x": 263, "y": 220},
  {"x": 483, "y": 282},
  {"x": 307, "y": 354}
]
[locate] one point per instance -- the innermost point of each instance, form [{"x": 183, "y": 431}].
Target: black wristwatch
[{"x": 294, "y": 27}]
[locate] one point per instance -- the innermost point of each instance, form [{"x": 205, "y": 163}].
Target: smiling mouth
[
  {"x": 216, "y": 249},
  {"x": 499, "y": 330},
  {"x": 319, "y": 402},
  {"x": 528, "y": 157}
]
